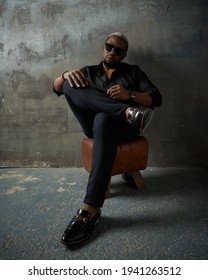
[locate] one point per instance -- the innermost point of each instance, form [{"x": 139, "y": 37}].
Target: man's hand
[
  {"x": 76, "y": 78},
  {"x": 118, "y": 92}
]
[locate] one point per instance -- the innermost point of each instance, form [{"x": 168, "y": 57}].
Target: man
[{"x": 105, "y": 99}]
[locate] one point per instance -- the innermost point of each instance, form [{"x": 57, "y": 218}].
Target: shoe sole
[
  {"x": 144, "y": 118},
  {"x": 83, "y": 239}
]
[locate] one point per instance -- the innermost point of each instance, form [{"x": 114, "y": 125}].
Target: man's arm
[
  {"x": 118, "y": 92},
  {"x": 76, "y": 78},
  {"x": 146, "y": 86},
  {"x": 146, "y": 95}
]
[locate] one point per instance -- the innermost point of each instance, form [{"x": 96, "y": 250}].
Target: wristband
[
  {"x": 63, "y": 75},
  {"x": 132, "y": 94}
]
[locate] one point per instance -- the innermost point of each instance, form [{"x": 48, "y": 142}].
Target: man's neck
[{"x": 108, "y": 70}]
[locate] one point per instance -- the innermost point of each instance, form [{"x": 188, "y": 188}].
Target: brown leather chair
[{"x": 131, "y": 157}]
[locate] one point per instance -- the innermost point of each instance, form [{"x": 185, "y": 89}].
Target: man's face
[{"x": 112, "y": 57}]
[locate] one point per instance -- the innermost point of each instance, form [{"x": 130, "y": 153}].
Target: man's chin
[{"x": 111, "y": 64}]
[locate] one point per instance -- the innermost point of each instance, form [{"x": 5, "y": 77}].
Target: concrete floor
[{"x": 168, "y": 219}]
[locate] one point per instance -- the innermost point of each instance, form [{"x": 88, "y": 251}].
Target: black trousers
[{"x": 103, "y": 119}]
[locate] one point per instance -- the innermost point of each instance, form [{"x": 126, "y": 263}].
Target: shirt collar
[{"x": 101, "y": 70}]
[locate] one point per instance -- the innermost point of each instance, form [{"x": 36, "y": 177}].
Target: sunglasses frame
[{"x": 118, "y": 51}]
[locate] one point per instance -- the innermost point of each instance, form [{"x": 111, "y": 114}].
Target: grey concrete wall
[{"x": 40, "y": 39}]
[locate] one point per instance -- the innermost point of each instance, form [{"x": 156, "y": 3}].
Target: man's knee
[
  {"x": 67, "y": 88},
  {"x": 102, "y": 118}
]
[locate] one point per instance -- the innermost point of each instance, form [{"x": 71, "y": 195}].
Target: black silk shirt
[{"x": 131, "y": 77}]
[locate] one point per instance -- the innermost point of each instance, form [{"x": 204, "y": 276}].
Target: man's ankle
[{"x": 90, "y": 208}]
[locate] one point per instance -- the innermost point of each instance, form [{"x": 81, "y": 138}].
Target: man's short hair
[{"x": 120, "y": 35}]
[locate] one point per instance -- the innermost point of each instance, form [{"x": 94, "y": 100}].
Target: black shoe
[
  {"x": 80, "y": 227},
  {"x": 139, "y": 117}
]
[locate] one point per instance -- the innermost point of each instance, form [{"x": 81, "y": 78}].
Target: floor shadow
[
  {"x": 151, "y": 221},
  {"x": 181, "y": 181}
]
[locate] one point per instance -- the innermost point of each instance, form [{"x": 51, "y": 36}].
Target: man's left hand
[{"x": 118, "y": 92}]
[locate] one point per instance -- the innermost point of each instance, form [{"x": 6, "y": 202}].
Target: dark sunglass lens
[
  {"x": 108, "y": 47},
  {"x": 118, "y": 51}
]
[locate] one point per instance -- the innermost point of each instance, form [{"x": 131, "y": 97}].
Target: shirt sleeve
[
  {"x": 57, "y": 92},
  {"x": 145, "y": 85}
]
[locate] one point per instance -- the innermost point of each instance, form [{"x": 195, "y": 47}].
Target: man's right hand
[{"x": 76, "y": 78}]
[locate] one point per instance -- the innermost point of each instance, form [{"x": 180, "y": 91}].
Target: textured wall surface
[{"x": 41, "y": 39}]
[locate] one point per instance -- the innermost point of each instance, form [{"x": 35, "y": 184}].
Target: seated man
[{"x": 105, "y": 99}]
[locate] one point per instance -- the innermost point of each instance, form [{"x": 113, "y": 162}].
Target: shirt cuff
[{"x": 57, "y": 92}]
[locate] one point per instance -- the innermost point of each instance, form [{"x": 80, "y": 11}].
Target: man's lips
[{"x": 110, "y": 57}]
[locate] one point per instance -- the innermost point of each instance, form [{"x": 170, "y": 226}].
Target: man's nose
[{"x": 112, "y": 52}]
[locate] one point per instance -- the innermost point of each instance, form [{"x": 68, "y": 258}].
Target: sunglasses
[{"x": 117, "y": 51}]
